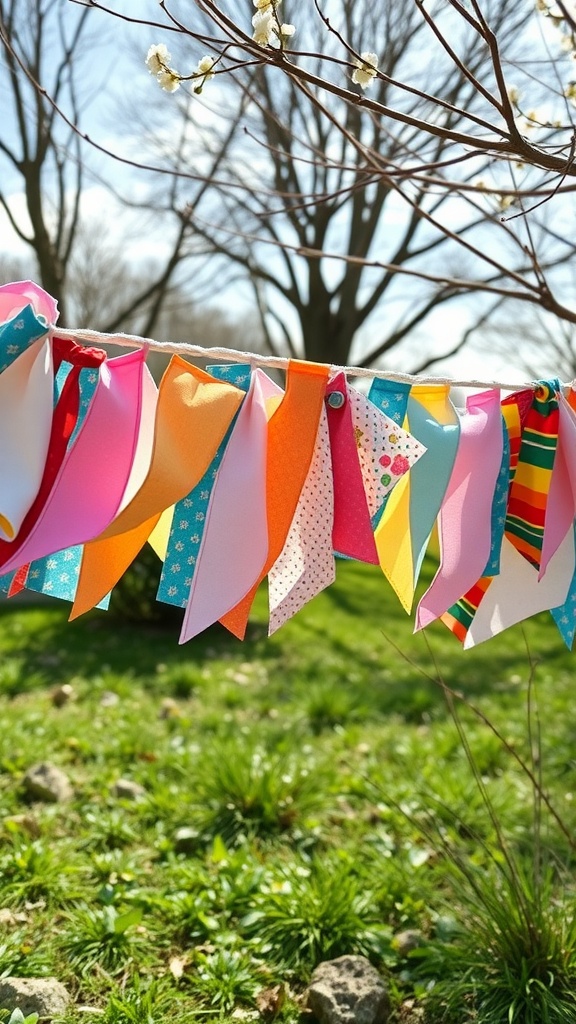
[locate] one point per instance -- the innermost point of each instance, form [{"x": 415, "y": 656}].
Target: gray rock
[
  {"x": 404, "y": 942},
  {"x": 109, "y": 699},
  {"x": 348, "y": 990},
  {"x": 48, "y": 783},
  {"x": 62, "y": 694},
  {"x": 186, "y": 840},
  {"x": 45, "y": 996},
  {"x": 125, "y": 789}
]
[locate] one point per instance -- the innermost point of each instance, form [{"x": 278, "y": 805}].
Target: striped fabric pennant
[
  {"x": 528, "y": 498},
  {"x": 189, "y": 518}
]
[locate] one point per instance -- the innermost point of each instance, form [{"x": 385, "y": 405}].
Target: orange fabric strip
[
  {"x": 193, "y": 414},
  {"x": 292, "y": 431}
]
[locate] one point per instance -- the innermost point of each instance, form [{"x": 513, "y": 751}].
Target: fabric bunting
[
  {"x": 292, "y": 432},
  {"x": 465, "y": 514},
  {"x": 234, "y": 545},
  {"x": 188, "y": 520},
  {"x": 404, "y": 530},
  {"x": 233, "y": 480},
  {"x": 191, "y": 405},
  {"x": 527, "y": 502}
]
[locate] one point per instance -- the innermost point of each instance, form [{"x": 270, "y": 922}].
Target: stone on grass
[
  {"x": 186, "y": 839},
  {"x": 62, "y": 694},
  {"x": 404, "y": 942},
  {"x": 125, "y": 789},
  {"x": 47, "y": 783},
  {"x": 348, "y": 990},
  {"x": 45, "y": 996}
]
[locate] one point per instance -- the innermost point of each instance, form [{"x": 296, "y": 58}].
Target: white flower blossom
[
  {"x": 157, "y": 58},
  {"x": 264, "y": 25},
  {"x": 287, "y": 30},
  {"x": 366, "y": 68},
  {"x": 205, "y": 66},
  {"x": 168, "y": 80},
  {"x": 204, "y": 72}
]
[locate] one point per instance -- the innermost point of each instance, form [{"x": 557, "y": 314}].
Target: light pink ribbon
[
  {"x": 306, "y": 565},
  {"x": 14, "y": 297},
  {"x": 464, "y": 522},
  {"x": 94, "y": 473},
  {"x": 235, "y": 540}
]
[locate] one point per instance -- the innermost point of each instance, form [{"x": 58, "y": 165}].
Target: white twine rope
[{"x": 278, "y": 362}]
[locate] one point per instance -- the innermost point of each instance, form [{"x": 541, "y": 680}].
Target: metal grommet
[{"x": 336, "y": 399}]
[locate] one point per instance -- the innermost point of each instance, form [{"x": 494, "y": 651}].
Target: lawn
[{"x": 302, "y": 797}]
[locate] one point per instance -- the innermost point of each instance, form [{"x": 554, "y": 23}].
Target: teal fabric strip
[
  {"x": 190, "y": 513},
  {"x": 499, "y": 504},
  {"x": 565, "y": 615},
  {"x": 429, "y": 476},
  {"x": 18, "y": 333}
]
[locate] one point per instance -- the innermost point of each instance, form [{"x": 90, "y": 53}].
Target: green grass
[{"x": 327, "y": 803}]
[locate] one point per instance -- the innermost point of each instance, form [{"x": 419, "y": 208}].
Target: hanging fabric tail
[
  {"x": 565, "y": 614},
  {"x": 527, "y": 502},
  {"x": 464, "y": 522},
  {"x": 235, "y": 539},
  {"x": 305, "y": 565},
  {"x": 25, "y": 313},
  {"x": 352, "y": 528},
  {"x": 405, "y": 527},
  {"x": 192, "y": 416},
  {"x": 190, "y": 513},
  {"x": 392, "y": 399},
  {"x": 460, "y": 616},
  {"x": 292, "y": 432},
  {"x": 25, "y": 423}
]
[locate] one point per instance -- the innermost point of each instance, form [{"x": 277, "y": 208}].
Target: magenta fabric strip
[
  {"x": 94, "y": 474},
  {"x": 352, "y": 533}
]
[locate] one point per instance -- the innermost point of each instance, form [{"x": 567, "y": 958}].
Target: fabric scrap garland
[{"x": 232, "y": 480}]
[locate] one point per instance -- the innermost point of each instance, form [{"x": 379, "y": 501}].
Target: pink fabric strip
[
  {"x": 235, "y": 540},
  {"x": 352, "y": 534},
  {"x": 465, "y": 515},
  {"x": 13, "y": 298},
  {"x": 95, "y": 472}
]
